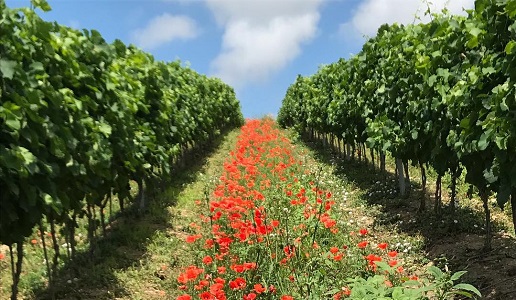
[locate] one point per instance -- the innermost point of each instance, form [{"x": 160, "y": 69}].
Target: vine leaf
[{"x": 7, "y": 68}]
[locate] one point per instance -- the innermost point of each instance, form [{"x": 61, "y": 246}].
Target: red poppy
[
  {"x": 216, "y": 288},
  {"x": 289, "y": 251},
  {"x": 192, "y": 238},
  {"x": 238, "y": 268},
  {"x": 250, "y": 266},
  {"x": 250, "y": 296},
  {"x": 207, "y": 260},
  {"x": 372, "y": 258},
  {"x": 219, "y": 280},
  {"x": 182, "y": 278},
  {"x": 237, "y": 284},
  {"x": 362, "y": 244},
  {"x": 259, "y": 288},
  {"x": 202, "y": 284},
  {"x": 206, "y": 296}
]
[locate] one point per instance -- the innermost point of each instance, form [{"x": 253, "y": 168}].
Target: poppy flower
[
  {"x": 237, "y": 284},
  {"x": 216, "y": 288},
  {"x": 238, "y": 268},
  {"x": 219, "y": 280},
  {"x": 250, "y": 296},
  {"x": 250, "y": 266},
  {"x": 382, "y": 246},
  {"x": 207, "y": 260},
  {"x": 206, "y": 296},
  {"x": 192, "y": 238},
  {"x": 362, "y": 244},
  {"x": 259, "y": 288}
]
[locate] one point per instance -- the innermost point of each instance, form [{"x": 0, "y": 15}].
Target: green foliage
[
  {"x": 437, "y": 285},
  {"x": 80, "y": 118}
]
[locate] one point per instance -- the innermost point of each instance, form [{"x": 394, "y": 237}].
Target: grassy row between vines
[
  {"x": 281, "y": 225},
  {"x": 142, "y": 257}
]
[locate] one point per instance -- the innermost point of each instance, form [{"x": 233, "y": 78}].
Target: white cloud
[
  {"x": 261, "y": 36},
  {"x": 164, "y": 29},
  {"x": 371, "y": 14}
]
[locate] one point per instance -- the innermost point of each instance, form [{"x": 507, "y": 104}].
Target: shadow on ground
[
  {"x": 454, "y": 239},
  {"x": 93, "y": 276}
]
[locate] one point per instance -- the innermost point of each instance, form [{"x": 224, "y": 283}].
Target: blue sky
[{"x": 257, "y": 46}]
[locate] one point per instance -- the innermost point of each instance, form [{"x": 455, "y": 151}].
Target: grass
[{"x": 357, "y": 186}]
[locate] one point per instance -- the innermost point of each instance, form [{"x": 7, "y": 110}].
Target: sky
[{"x": 257, "y": 46}]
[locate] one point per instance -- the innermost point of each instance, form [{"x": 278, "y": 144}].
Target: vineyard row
[
  {"x": 439, "y": 94},
  {"x": 81, "y": 118}
]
